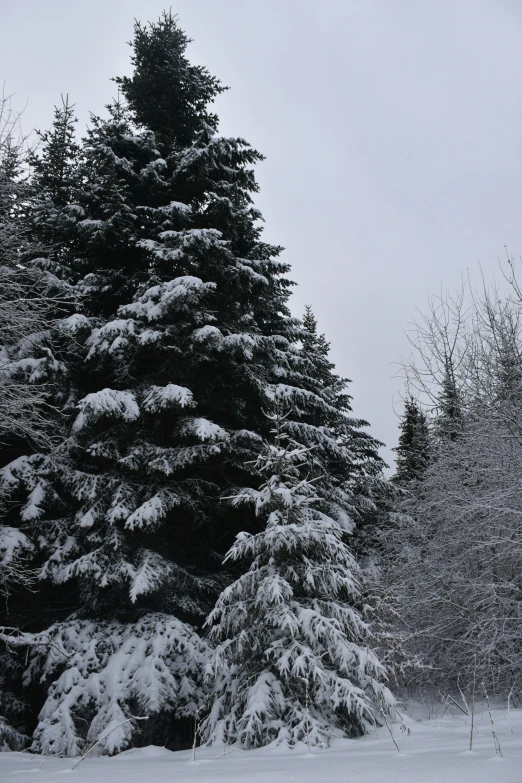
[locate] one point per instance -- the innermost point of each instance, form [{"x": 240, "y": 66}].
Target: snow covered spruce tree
[
  {"x": 369, "y": 498},
  {"x": 413, "y": 451},
  {"x": 293, "y": 659},
  {"x": 183, "y": 337},
  {"x": 56, "y": 184},
  {"x": 99, "y": 504},
  {"x": 348, "y": 454}
]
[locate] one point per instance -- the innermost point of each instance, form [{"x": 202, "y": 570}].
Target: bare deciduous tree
[
  {"x": 27, "y": 307},
  {"x": 456, "y": 553}
]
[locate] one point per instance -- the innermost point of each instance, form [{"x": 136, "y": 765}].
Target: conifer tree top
[
  {"x": 413, "y": 450},
  {"x": 166, "y": 93},
  {"x": 53, "y": 167}
]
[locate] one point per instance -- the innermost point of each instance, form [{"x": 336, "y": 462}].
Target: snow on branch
[
  {"x": 105, "y": 669},
  {"x": 107, "y": 402}
]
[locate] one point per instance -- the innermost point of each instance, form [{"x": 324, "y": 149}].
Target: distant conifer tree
[
  {"x": 449, "y": 419},
  {"x": 413, "y": 451}
]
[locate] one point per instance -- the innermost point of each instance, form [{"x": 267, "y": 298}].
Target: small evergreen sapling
[{"x": 293, "y": 661}]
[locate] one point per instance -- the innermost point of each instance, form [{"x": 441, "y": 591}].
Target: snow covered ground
[{"x": 435, "y": 751}]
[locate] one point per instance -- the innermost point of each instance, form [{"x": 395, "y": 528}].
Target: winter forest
[{"x": 200, "y": 544}]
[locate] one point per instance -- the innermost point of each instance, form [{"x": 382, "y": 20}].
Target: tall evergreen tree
[
  {"x": 55, "y": 167},
  {"x": 55, "y": 184},
  {"x": 359, "y": 463},
  {"x": 449, "y": 413},
  {"x": 316, "y": 351},
  {"x": 413, "y": 451},
  {"x": 182, "y": 339}
]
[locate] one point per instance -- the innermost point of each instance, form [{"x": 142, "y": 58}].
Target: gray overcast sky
[{"x": 392, "y": 130}]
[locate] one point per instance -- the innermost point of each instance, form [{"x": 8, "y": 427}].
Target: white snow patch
[
  {"x": 12, "y": 542},
  {"x": 152, "y": 510},
  {"x": 179, "y": 293},
  {"x": 32, "y": 509},
  {"x": 162, "y": 398},
  {"x": 434, "y": 751},
  {"x": 107, "y": 402},
  {"x": 207, "y": 332},
  {"x": 204, "y": 429},
  {"x": 74, "y": 323},
  {"x": 111, "y": 337}
]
